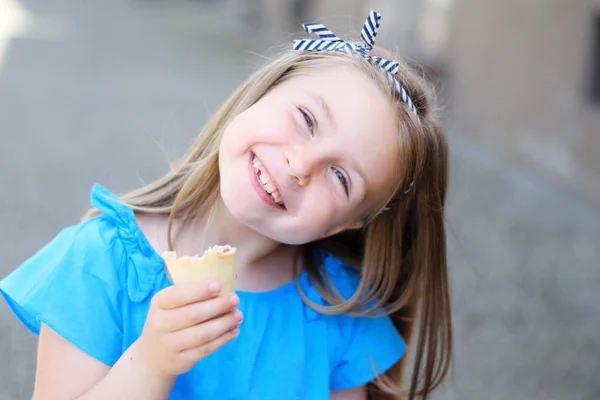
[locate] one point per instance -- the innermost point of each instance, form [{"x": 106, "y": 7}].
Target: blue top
[{"x": 93, "y": 283}]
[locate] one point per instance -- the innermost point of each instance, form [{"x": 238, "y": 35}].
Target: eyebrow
[{"x": 324, "y": 107}]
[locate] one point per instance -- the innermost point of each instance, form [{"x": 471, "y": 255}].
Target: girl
[{"x": 327, "y": 171}]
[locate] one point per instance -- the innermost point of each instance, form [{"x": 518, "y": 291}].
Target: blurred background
[{"x": 112, "y": 91}]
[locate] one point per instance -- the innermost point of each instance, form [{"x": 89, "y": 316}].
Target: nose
[{"x": 300, "y": 166}]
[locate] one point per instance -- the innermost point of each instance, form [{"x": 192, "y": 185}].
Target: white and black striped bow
[{"x": 330, "y": 42}]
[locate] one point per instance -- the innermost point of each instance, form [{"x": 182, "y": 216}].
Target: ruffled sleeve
[
  {"x": 366, "y": 347},
  {"x": 143, "y": 264},
  {"x": 77, "y": 283}
]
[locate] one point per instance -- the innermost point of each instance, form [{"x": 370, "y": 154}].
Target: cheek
[
  {"x": 319, "y": 209},
  {"x": 231, "y": 138},
  {"x": 277, "y": 124}
]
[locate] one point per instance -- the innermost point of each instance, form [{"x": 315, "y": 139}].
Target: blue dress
[{"x": 93, "y": 284}]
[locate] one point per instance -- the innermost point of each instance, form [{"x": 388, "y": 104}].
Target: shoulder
[
  {"x": 109, "y": 241},
  {"x": 108, "y": 251},
  {"x": 84, "y": 277},
  {"x": 364, "y": 346},
  {"x": 92, "y": 247}
]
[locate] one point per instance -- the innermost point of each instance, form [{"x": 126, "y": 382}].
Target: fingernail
[
  {"x": 238, "y": 316},
  {"x": 213, "y": 287},
  {"x": 234, "y": 300},
  {"x": 235, "y": 331}
]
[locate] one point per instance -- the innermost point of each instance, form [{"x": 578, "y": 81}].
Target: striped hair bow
[{"x": 330, "y": 42}]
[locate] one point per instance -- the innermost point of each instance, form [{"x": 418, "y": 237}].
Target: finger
[
  {"x": 202, "y": 311},
  {"x": 206, "y": 332},
  {"x": 198, "y": 353},
  {"x": 186, "y": 293}
]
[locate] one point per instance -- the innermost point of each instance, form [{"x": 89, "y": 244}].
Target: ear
[{"x": 350, "y": 226}]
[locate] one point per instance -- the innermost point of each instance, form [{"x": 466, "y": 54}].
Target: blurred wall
[
  {"x": 279, "y": 18},
  {"x": 520, "y": 75}
]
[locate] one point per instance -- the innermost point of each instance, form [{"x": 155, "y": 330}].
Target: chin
[
  {"x": 269, "y": 228},
  {"x": 284, "y": 235},
  {"x": 273, "y": 227}
]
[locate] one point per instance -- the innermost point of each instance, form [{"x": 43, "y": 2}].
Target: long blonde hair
[{"x": 401, "y": 252}]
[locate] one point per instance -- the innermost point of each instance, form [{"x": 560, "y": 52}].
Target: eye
[
  {"x": 342, "y": 179},
  {"x": 310, "y": 122}
]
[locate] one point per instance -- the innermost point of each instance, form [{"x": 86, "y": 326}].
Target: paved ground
[{"x": 109, "y": 92}]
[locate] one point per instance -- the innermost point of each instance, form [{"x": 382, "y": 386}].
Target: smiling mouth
[{"x": 265, "y": 181}]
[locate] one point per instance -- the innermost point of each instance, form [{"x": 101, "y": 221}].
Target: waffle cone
[{"x": 217, "y": 263}]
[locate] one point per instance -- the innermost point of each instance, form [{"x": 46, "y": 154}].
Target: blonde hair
[{"x": 401, "y": 252}]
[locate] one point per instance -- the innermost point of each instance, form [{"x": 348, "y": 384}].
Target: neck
[{"x": 261, "y": 263}]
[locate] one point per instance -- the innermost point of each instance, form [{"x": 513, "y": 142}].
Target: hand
[{"x": 186, "y": 323}]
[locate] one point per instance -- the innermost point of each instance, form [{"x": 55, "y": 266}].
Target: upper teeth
[{"x": 265, "y": 181}]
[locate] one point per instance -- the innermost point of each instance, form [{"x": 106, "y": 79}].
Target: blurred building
[
  {"x": 524, "y": 76},
  {"x": 278, "y": 18}
]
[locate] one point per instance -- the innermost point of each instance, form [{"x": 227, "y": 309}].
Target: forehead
[{"x": 362, "y": 120}]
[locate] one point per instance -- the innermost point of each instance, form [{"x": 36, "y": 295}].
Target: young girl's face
[{"x": 312, "y": 157}]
